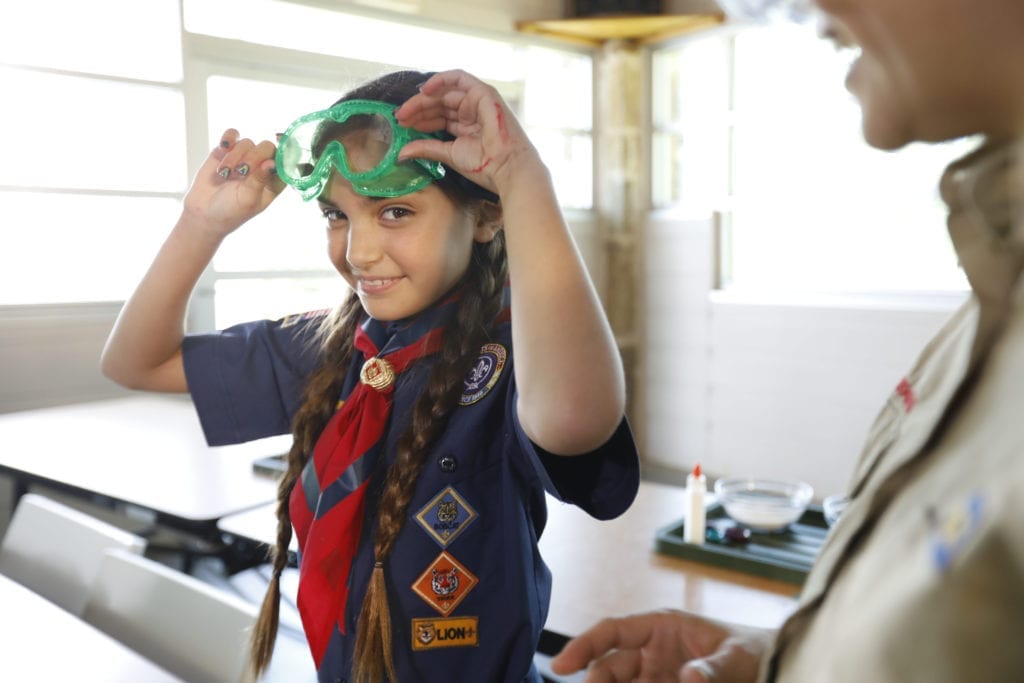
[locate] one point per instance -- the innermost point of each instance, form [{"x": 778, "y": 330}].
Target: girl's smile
[
  {"x": 399, "y": 254},
  {"x": 370, "y": 287}
]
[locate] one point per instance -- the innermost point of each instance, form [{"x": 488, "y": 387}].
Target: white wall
[
  {"x": 676, "y": 340},
  {"x": 785, "y": 390},
  {"x": 49, "y": 355}
]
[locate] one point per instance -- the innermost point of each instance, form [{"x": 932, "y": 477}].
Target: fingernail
[
  {"x": 224, "y": 172},
  {"x": 272, "y": 170},
  {"x": 225, "y": 144},
  {"x": 242, "y": 170},
  {"x": 279, "y": 136}
]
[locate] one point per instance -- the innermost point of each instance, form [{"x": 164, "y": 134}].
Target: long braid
[
  {"x": 319, "y": 404},
  {"x": 480, "y": 303}
]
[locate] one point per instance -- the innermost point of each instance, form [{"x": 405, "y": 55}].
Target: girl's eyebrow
[{"x": 364, "y": 199}]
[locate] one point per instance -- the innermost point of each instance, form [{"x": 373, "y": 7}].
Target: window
[
  {"x": 757, "y": 125},
  {"x": 82, "y": 169},
  {"x": 106, "y": 124}
]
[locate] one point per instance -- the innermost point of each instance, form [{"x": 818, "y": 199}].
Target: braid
[
  {"x": 319, "y": 404},
  {"x": 482, "y": 291}
]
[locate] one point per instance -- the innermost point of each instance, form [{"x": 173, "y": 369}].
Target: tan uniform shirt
[{"x": 922, "y": 578}]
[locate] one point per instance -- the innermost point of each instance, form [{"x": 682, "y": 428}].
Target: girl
[{"x": 422, "y": 450}]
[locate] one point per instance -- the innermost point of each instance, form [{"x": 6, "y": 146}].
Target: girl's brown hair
[{"x": 482, "y": 288}]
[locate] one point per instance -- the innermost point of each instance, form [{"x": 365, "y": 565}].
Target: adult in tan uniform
[{"x": 922, "y": 579}]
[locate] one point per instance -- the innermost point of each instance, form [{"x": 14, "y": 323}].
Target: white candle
[{"x": 695, "y": 522}]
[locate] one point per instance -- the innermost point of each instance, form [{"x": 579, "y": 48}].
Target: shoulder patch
[{"x": 484, "y": 375}]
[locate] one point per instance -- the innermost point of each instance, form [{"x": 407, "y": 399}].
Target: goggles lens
[
  {"x": 764, "y": 11},
  {"x": 360, "y": 139}
]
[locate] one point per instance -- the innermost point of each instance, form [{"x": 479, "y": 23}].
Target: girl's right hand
[{"x": 236, "y": 182}]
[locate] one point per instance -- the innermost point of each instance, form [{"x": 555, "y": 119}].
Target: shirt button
[{"x": 447, "y": 463}]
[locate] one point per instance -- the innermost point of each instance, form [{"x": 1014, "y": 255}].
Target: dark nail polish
[
  {"x": 225, "y": 144},
  {"x": 272, "y": 170}
]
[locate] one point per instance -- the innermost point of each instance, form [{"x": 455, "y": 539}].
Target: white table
[
  {"x": 258, "y": 525},
  {"x": 41, "y": 642},
  {"x": 603, "y": 569},
  {"x": 146, "y": 450}
]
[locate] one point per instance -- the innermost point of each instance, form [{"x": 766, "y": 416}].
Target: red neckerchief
[{"x": 328, "y": 501}]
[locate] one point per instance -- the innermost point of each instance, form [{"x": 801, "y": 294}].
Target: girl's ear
[{"x": 488, "y": 221}]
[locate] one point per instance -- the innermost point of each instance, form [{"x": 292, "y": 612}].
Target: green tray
[{"x": 783, "y": 555}]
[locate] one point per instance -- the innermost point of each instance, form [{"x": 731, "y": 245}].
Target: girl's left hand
[{"x": 489, "y": 142}]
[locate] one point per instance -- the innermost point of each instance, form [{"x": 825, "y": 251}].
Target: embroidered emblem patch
[
  {"x": 430, "y": 634},
  {"x": 446, "y": 516},
  {"x": 445, "y": 584},
  {"x": 950, "y": 534},
  {"x": 484, "y": 375}
]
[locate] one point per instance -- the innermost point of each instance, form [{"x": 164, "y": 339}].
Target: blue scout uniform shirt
[{"x": 467, "y": 588}]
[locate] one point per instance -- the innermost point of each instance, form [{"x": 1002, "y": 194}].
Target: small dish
[{"x": 763, "y": 504}]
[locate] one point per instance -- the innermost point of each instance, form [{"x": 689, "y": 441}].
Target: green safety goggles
[{"x": 361, "y": 140}]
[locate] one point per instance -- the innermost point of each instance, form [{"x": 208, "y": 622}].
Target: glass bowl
[
  {"x": 763, "y": 504},
  {"x": 832, "y": 507}
]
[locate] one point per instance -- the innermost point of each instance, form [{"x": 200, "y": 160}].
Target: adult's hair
[{"x": 481, "y": 289}]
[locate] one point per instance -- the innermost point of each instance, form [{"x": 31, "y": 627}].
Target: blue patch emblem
[
  {"x": 951, "y": 534},
  {"x": 484, "y": 375},
  {"x": 446, "y": 516}
]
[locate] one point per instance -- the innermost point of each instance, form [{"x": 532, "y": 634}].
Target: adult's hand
[{"x": 662, "y": 647}]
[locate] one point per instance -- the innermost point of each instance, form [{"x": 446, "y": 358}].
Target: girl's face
[
  {"x": 929, "y": 70},
  {"x": 399, "y": 254}
]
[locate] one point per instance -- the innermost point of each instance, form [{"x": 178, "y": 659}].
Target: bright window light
[
  {"x": 89, "y": 133},
  {"x": 68, "y": 247},
  {"x": 125, "y": 38},
  {"x": 558, "y": 116},
  {"x": 807, "y": 205},
  {"x": 107, "y": 119}
]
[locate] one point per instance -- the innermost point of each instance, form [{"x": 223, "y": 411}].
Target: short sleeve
[
  {"x": 247, "y": 380},
  {"x": 603, "y": 482}
]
